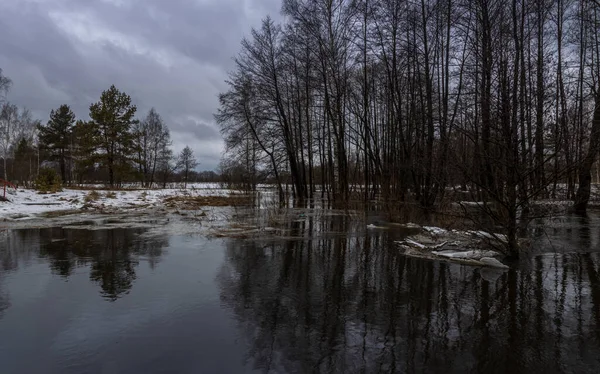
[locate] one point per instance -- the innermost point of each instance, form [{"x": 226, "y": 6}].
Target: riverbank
[
  {"x": 219, "y": 212},
  {"x": 27, "y": 204}
]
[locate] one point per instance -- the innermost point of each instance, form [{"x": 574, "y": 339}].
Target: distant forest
[{"x": 113, "y": 147}]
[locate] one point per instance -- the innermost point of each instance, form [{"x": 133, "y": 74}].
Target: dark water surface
[{"x": 120, "y": 301}]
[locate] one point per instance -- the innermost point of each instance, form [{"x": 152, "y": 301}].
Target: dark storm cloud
[
  {"x": 197, "y": 129},
  {"x": 172, "y": 55}
]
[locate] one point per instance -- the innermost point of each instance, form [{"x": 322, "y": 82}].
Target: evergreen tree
[
  {"x": 25, "y": 163},
  {"x": 112, "y": 118},
  {"x": 56, "y": 136},
  {"x": 84, "y": 149}
]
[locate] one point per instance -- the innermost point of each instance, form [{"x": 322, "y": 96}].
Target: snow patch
[
  {"x": 372, "y": 226},
  {"x": 435, "y": 230},
  {"x": 25, "y": 203}
]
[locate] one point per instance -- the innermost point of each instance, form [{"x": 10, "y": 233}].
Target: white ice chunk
[
  {"x": 492, "y": 262},
  {"x": 470, "y": 255},
  {"x": 435, "y": 230}
]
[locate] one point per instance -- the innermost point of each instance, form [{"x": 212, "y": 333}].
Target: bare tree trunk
[{"x": 585, "y": 170}]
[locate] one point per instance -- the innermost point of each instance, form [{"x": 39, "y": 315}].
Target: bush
[
  {"x": 91, "y": 196},
  {"x": 48, "y": 180}
]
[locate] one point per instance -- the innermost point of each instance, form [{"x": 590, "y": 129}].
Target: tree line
[
  {"x": 112, "y": 147},
  {"x": 414, "y": 100}
]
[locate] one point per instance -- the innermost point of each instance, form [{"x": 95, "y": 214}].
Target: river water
[{"x": 336, "y": 298}]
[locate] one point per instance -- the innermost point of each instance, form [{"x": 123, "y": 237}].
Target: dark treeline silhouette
[
  {"x": 412, "y": 100},
  {"x": 113, "y": 147},
  {"x": 333, "y": 303}
]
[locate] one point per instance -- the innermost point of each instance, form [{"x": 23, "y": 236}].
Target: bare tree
[
  {"x": 151, "y": 138},
  {"x": 166, "y": 166},
  {"x": 592, "y": 23},
  {"x": 5, "y": 84},
  {"x": 15, "y": 124},
  {"x": 186, "y": 162},
  {"x": 245, "y": 125},
  {"x": 408, "y": 100}
]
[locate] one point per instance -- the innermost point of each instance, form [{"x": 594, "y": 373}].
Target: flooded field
[{"x": 331, "y": 296}]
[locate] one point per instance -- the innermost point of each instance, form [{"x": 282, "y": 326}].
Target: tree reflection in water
[
  {"x": 355, "y": 304},
  {"x": 4, "y": 300},
  {"x": 111, "y": 254}
]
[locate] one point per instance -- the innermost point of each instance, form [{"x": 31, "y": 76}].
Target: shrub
[
  {"x": 48, "y": 180},
  {"x": 111, "y": 195},
  {"x": 91, "y": 196}
]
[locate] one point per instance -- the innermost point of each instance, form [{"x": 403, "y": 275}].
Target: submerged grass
[
  {"x": 196, "y": 202},
  {"x": 60, "y": 213}
]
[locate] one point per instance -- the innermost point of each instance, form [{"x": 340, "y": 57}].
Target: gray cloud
[{"x": 172, "y": 55}]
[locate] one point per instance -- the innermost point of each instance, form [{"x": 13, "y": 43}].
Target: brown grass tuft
[{"x": 91, "y": 196}]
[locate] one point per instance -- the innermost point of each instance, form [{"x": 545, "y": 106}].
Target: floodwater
[{"x": 340, "y": 300}]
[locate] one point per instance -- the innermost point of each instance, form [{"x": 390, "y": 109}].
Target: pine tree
[
  {"x": 56, "y": 135},
  {"x": 24, "y": 163},
  {"x": 84, "y": 149},
  {"x": 112, "y": 118}
]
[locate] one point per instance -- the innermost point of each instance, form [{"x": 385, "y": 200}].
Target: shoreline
[{"x": 26, "y": 204}]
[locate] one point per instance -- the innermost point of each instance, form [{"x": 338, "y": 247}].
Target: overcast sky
[{"x": 173, "y": 55}]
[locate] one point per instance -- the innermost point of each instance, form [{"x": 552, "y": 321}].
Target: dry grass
[
  {"x": 103, "y": 188},
  {"x": 197, "y": 202},
  {"x": 111, "y": 195},
  {"x": 91, "y": 196}
]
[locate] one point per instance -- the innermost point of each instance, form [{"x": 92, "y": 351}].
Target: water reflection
[
  {"x": 567, "y": 233},
  {"x": 4, "y": 300},
  {"x": 170, "y": 322},
  {"x": 340, "y": 300},
  {"x": 355, "y": 304},
  {"x": 111, "y": 255}
]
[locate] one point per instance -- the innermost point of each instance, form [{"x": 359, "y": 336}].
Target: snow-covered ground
[{"x": 26, "y": 203}]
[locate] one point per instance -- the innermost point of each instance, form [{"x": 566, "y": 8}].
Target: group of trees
[
  {"x": 409, "y": 100},
  {"x": 113, "y": 146},
  {"x": 17, "y": 131}
]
